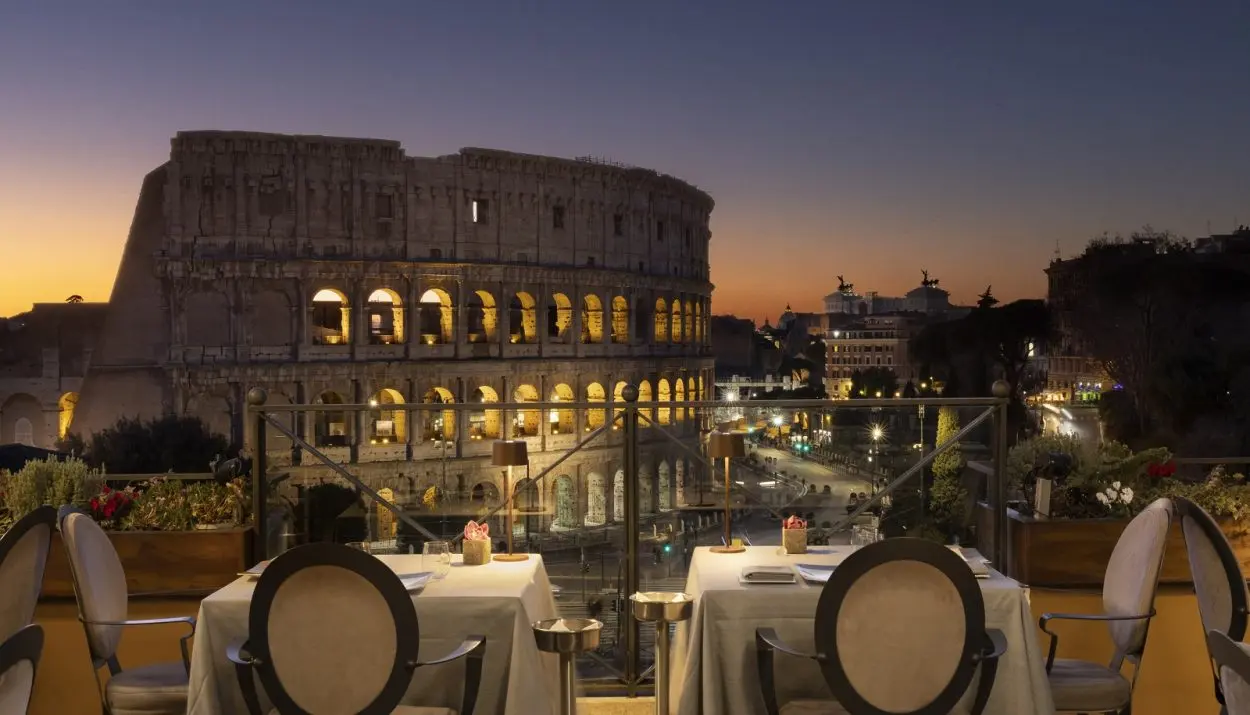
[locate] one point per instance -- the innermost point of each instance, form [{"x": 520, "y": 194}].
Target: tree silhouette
[
  {"x": 987, "y": 299},
  {"x": 75, "y": 298}
]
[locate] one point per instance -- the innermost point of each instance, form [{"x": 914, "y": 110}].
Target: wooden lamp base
[
  {"x": 511, "y": 557},
  {"x": 725, "y": 549}
]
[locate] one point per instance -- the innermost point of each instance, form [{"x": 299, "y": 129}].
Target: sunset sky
[{"x": 871, "y": 140}]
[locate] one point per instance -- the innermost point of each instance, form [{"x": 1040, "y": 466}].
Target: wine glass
[{"x": 437, "y": 558}]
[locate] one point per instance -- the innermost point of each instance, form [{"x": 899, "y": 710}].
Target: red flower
[{"x": 95, "y": 504}]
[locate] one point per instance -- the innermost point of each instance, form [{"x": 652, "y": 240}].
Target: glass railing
[{"x": 617, "y": 495}]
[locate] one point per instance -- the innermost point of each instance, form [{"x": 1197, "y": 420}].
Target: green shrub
[{"x": 52, "y": 482}]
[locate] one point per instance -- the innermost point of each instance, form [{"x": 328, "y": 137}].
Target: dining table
[
  {"x": 498, "y": 600},
  {"x": 713, "y": 664}
]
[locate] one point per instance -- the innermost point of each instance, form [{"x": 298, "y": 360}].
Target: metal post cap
[
  {"x": 257, "y": 396},
  {"x": 1001, "y": 389},
  {"x": 629, "y": 393}
]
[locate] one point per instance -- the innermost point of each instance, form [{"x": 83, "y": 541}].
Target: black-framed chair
[
  {"x": 103, "y": 600},
  {"x": 1128, "y": 595},
  {"x": 900, "y": 628},
  {"x": 1223, "y": 601},
  {"x": 19, "y": 659},
  {"x": 333, "y": 630},
  {"x": 23, "y": 556},
  {"x": 1232, "y": 664}
]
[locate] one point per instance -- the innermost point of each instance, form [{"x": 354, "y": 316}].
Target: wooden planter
[
  {"x": 1073, "y": 553},
  {"x": 163, "y": 562}
]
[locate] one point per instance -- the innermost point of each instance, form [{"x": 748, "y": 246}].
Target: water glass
[{"x": 437, "y": 558}]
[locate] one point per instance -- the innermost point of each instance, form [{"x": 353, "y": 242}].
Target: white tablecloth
[
  {"x": 714, "y": 663},
  {"x": 498, "y": 600}
]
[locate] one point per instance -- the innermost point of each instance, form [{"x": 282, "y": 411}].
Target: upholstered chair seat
[
  {"x": 156, "y": 688},
  {"x": 899, "y": 628},
  {"x": 23, "y": 555},
  {"x": 1232, "y": 660},
  {"x": 1079, "y": 685},
  {"x": 19, "y": 660},
  {"x": 408, "y": 710},
  {"x": 1128, "y": 596}
]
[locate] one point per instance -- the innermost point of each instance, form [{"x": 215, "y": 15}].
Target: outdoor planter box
[
  {"x": 1073, "y": 553},
  {"x": 163, "y": 562}
]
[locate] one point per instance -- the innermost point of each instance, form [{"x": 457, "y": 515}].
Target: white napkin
[
  {"x": 767, "y": 574},
  {"x": 415, "y": 581},
  {"x": 816, "y": 573}
]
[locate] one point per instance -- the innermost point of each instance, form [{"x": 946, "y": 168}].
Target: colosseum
[{"x": 342, "y": 271}]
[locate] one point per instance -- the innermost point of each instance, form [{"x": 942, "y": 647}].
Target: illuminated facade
[{"x": 341, "y": 271}]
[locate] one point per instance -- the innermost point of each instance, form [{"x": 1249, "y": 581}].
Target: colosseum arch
[
  {"x": 665, "y": 487},
  {"x": 331, "y": 318},
  {"x": 485, "y": 494},
  {"x": 484, "y": 424},
  {"x": 620, "y": 319},
  {"x": 688, "y": 332},
  {"x": 526, "y": 422},
  {"x": 523, "y": 318},
  {"x": 562, "y": 420},
  {"x": 385, "y": 313},
  {"x": 646, "y": 490},
  {"x": 592, "y": 319},
  {"x": 270, "y": 319},
  {"x": 439, "y": 424},
  {"x": 564, "y": 501},
  {"x": 700, "y": 330},
  {"x": 436, "y": 317},
  {"x": 65, "y": 413},
  {"x": 596, "y": 500},
  {"x": 618, "y": 399},
  {"x": 644, "y": 395},
  {"x": 595, "y": 417},
  {"x": 618, "y": 496},
  {"x": 693, "y": 395},
  {"x": 275, "y": 440},
  {"x": 331, "y": 428},
  {"x": 207, "y": 316},
  {"x": 679, "y": 396},
  {"x": 388, "y": 423},
  {"x": 677, "y": 335},
  {"x": 482, "y": 318},
  {"x": 21, "y": 420},
  {"x": 661, "y": 321},
  {"x": 559, "y": 318},
  {"x": 665, "y": 396},
  {"x": 679, "y": 479}
]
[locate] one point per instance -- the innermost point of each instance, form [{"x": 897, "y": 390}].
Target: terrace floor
[{"x": 1175, "y": 679}]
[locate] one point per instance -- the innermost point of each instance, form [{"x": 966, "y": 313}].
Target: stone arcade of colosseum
[{"x": 331, "y": 270}]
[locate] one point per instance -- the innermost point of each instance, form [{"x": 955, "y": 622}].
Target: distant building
[
  {"x": 872, "y": 341},
  {"x": 735, "y": 345},
  {"x": 43, "y": 356}
]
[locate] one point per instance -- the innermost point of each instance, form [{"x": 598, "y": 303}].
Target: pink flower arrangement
[
  {"x": 794, "y": 522},
  {"x": 474, "y": 531}
]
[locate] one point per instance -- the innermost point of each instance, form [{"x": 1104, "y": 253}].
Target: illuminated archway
[
  {"x": 688, "y": 331},
  {"x": 596, "y": 500},
  {"x": 331, "y": 427},
  {"x": 661, "y": 321},
  {"x": 679, "y": 396},
  {"x": 620, "y": 320},
  {"x": 676, "y": 331},
  {"x": 618, "y": 495},
  {"x": 644, "y": 395},
  {"x": 482, "y": 320},
  {"x": 565, "y": 502},
  {"x": 388, "y": 424},
  {"x": 436, "y": 321},
  {"x": 386, "y": 317},
  {"x": 484, "y": 424},
  {"x": 592, "y": 319},
  {"x": 441, "y": 424},
  {"x": 665, "y": 396},
  {"x": 559, "y": 318},
  {"x": 618, "y": 399},
  {"x": 332, "y": 318},
  {"x": 522, "y": 319},
  {"x": 65, "y": 413},
  {"x": 665, "y": 488},
  {"x": 595, "y": 416},
  {"x": 562, "y": 420},
  {"x": 525, "y": 424}
]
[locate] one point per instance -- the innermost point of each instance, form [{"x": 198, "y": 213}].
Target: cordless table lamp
[
  {"x": 726, "y": 445},
  {"x": 509, "y": 453}
]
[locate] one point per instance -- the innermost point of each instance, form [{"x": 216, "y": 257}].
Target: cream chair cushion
[
  {"x": 1132, "y": 576},
  {"x": 101, "y": 581},
  {"x": 1081, "y": 686},
  {"x": 148, "y": 690},
  {"x": 21, "y": 572}
]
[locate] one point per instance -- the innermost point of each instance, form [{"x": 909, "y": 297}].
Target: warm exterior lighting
[
  {"x": 877, "y": 433},
  {"x": 777, "y": 421}
]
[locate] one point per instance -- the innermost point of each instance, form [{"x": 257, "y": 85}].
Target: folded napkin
[
  {"x": 816, "y": 573},
  {"x": 768, "y": 574},
  {"x": 415, "y": 581}
]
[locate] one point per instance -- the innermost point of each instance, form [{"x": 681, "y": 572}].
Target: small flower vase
[
  {"x": 476, "y": 553},
  {"x": 794, "y": 541}
]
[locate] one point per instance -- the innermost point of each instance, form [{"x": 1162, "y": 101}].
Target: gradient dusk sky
[{"x": 869, "y": 139}]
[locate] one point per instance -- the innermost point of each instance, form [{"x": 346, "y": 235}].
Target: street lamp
[{"x": 777, "y": 421}]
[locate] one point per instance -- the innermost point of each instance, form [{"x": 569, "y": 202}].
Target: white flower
[
  {"x": 1111, "y": 493},
  {"x": 1127, "y": 495},
  {"x": 1103, "y": 498},
  {"x": 1115, "y": 485}
]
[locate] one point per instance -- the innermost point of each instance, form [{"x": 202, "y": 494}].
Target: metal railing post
[
  {"x": 633, "y": 661},
  {"x": 256, "y": 398},
  {"x": 998, "y": 490}
]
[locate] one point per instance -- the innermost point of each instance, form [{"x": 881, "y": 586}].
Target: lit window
[{"x": 481, "y": 211}]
